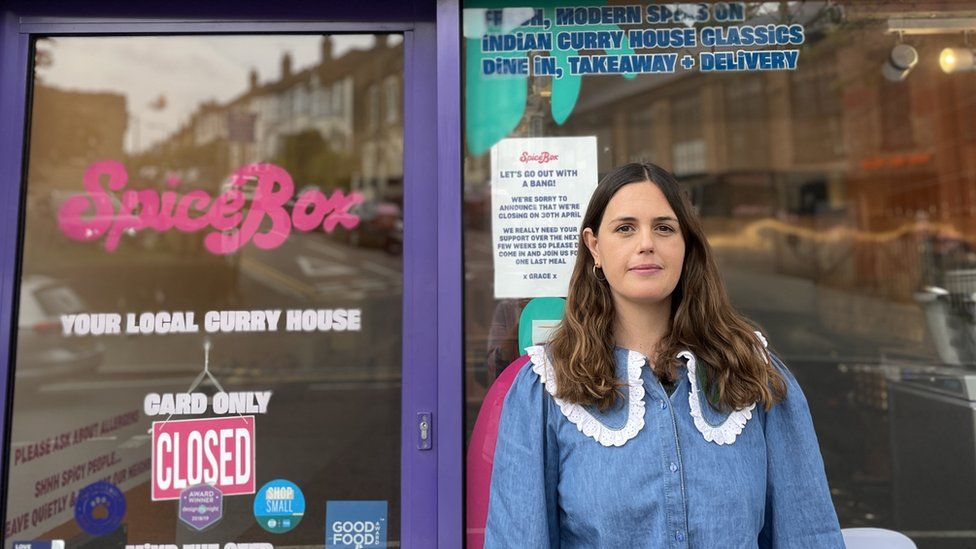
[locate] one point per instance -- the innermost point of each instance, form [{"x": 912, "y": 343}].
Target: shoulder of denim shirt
[
  {"x": 517, "y": 387},
  {"x": 776, "y": 361},
  {"x": 519, "y": 373},
  {"x": 783, "y": 369},
  {"x": 793, "y": 396}
]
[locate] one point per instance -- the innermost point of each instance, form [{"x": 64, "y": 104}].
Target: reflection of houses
[
  {"x": 59, "y": 151},
  {"x": 830, "y": 176},
  {"x": 337, "y": 123},
  {"x": 379, "y": 127},
  {"x": 831, "y": 196},
  {"x": 832, "y": 144}
]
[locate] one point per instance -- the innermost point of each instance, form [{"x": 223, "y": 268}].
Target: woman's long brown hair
[{"x": 736, "y": 367}]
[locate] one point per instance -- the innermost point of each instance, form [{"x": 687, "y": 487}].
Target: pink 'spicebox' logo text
[
  {"x": 93, "y": 215},
  {"x": 540, "y": 158}
]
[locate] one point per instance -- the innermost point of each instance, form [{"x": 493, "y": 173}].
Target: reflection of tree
[
  {"x": 309, "y": 158},
  {"x": 70, "y": 129},
  {"x": 202, "y": 166}
]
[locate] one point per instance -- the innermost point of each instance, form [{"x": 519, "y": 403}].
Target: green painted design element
[
  {"x": 565, "y": 90},
  {"x": 494, "y": 105},
  {"x": 548, "y": 310}
]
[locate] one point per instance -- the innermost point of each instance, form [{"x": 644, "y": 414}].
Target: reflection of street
[
  {"x": 315, "y": 267},
  {"x": 333, "y": 424}
]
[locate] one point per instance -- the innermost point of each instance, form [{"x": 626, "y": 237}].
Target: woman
[{"x": 655, "y": 416}]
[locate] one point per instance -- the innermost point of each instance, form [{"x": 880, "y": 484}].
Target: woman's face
[{"x": 640, "y": 246}]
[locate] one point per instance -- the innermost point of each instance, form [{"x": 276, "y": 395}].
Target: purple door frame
[{"x": 431, "y": 481}]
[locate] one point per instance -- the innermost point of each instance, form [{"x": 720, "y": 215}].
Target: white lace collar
[
  {"x": 727, "y": 431},
  {"x": 730, "y": 428},
  {"x": 724, "y": 433},
  {"x": 579, "y": 416}
]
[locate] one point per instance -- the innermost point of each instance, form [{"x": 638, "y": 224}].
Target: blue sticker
[
  {"x": 95, "y": 496},
  {"x": 46, "y": 544},
  {"x": 355, "y": 524},
  {"x": 279, "y": 506}
]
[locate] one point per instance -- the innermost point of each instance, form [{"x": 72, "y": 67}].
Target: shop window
[
  {"x": 373, "y": 106},
  {"x": 323, "y": 100},
  {"x": 745, "y": 108},
  {"x": 964, "y": 87},
  {"x": 688, "y": 149},
  {"x": 301, "y": 100},
  {"x": 640, "y": 135},
  {"x": 839, "y": 206},
  {"x": 338, "y": 98},
  {"x": 816, "y": 110},
  {"x": 391, "y": 96},
  {"x": 896, "y": 119},
  {"x": 212, "y": 340}
]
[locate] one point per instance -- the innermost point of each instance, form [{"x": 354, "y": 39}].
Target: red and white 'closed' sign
[{"x": 214, "y": 451}]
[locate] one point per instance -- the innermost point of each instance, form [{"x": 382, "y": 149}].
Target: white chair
[{"x": 875, "y": 538}]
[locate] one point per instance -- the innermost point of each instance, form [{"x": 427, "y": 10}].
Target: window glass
[
  {"x": 209, "y": 342},
  {"x": 837, "y": 188}
]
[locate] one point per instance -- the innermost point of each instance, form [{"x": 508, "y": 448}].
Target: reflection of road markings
[
  {"x": 327, "y": 288},
  {"x": 354, "y": 385},
  {"x": 109, "y": 384},
  {"x": 151, "y": 368},
  {"x": 943, "y": 534},
  {"x": 326, "y": 249},
  {"x": 270, "y": 276},
  {"x": 381, "y": 270},
  {"x": 319, "y": 267},
  {"x": 134, "y": 441},
  {"x": 331, "y": 287},
  {"x": 358, "y": 287},
  {"x": 368, "y": 284}
]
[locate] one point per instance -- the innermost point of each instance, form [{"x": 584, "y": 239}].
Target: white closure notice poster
[{"x": 540, "y": 187}]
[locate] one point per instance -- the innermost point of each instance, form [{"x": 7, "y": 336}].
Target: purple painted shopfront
[
  {"x": 295, "y": 308},
  {"x": 279, "y": 255}
]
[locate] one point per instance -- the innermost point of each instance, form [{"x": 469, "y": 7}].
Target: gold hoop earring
[{"x": 597, "y": 276}]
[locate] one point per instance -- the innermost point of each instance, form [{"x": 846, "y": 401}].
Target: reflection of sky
[{"x": 186, "y": 70}]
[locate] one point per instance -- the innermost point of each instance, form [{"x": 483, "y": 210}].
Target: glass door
[{"x": 209, "y": 345}]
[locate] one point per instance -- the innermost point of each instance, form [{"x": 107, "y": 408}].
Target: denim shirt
[{"x": 658, "y": 471}]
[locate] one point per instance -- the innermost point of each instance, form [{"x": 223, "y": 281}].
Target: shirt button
[
  {"x": 674, "y": 468},
  {"x": 679, "y": 536},
  {"x": 664, "y": 405}
]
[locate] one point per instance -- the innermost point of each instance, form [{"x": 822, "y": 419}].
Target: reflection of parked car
[
  {"x": 290, "y": 204},
  {"x": 42, "y": 350},
  {"x": 380, "y": 226},
  {"x": 248, "y": 188},
  {"x": 50, "y": 205}
]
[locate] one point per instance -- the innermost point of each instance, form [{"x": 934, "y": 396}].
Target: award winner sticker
[
  {"x": 279, "y": 506},
  {"x": 201, "y": 506},
  {"x": 100, "y": 508}
]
